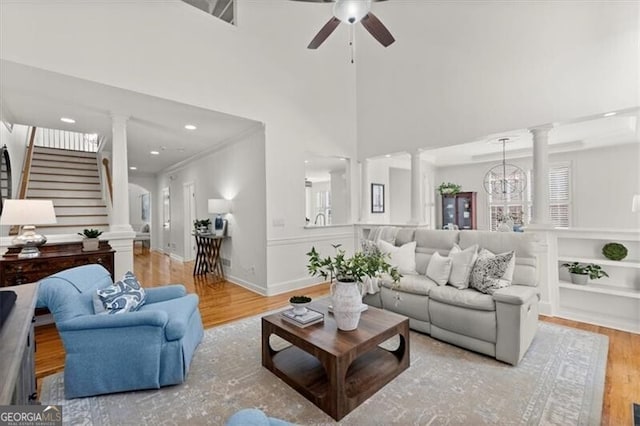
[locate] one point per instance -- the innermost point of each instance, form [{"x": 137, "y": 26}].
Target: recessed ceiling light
[
  {"x": 190, "y": 127},
  {"x": 133, "y": 168},
  {"x": 609, "y": 114},
  {"x": 343, "y": 159},
  {"x": 388, "y": 156},
  {"x": 67, "y": 120},
  {"x": 306, "y": 161},
  {"x": 155, "y": 153}
]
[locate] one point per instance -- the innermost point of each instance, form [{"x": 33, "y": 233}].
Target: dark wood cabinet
[
  {"x": 459, "y": 210},
  {"x": 53, "y": 258}
]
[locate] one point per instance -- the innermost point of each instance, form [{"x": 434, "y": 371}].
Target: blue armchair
[{"x": 145, "y": 349}]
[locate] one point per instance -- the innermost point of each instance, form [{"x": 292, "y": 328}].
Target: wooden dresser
[{"x": 53, "y": 258}]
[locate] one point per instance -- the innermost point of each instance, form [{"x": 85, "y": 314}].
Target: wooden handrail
[
  {"x": 26, "y": 169},
  {"x": 105, "y": 163}
]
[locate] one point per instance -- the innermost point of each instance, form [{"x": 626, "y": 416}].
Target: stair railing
[
  {"x": 107, "y": 170},
  {"x": 25, "y": 175}
]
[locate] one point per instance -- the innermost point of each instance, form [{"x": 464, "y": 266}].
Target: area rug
[{"x": 560, "y": 381}]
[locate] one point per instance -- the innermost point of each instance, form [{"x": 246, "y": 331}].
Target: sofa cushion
[
  {"x": 466, "y": 298},
  {"x": 416, "y": 284},
  {"x": 126, "y": 295},
  {"x": 492, "y": 271},
  {"x": 430, "y": 241},
  {"x": 462, "y": 264},
  {"x": 439, "y": 268},
  {"x": 403, "y": 258},
  {"x": 524, "y": 244}
]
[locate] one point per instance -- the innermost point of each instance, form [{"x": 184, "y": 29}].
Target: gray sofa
[{"x": 501, "y": 325}]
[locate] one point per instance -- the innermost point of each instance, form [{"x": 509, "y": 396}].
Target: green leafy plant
[
  {"x": 300, "y": 299},
  {"x": 90, "y": 233},
  {"x": 350, "y": 269},
  {"x": 614, "y": 251},
  {"x": 594, "y": 271},
  {"x": 449, "y": 188}
]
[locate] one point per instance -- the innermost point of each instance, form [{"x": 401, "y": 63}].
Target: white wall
[
  {"x": 399, "y": 195},
  {"x": 259, "y": 69},
  {"x": 462, "y": 70},
  {"x": 234, "y": 172},
  {"x": 135, "y": 205},
  {"x": 603, "y": 183}
]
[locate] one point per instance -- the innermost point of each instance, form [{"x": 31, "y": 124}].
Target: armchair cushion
[{"x": 179, "y": 313}]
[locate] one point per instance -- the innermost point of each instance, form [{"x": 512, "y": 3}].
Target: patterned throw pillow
[
  {"x": 491, "y": 271},
  {"x": 123, "y": 296}
]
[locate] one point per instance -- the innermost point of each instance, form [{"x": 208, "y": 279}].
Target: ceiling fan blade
[
  {"x": 377, "y": 29},
  {"x": 324, "y": 32}
]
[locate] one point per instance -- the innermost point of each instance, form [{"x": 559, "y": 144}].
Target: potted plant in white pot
[
  {"x": 90, "y": 240},
  {"x": 580, "y": 273},
  {"x": 346, "y": 292}
]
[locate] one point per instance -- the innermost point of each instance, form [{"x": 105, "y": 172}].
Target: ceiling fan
[{"x": 351, "y": 12}]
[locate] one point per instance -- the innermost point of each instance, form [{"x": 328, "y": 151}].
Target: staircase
[{"x": 71, "y": 180}]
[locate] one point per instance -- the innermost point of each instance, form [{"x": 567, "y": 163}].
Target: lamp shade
[
  {"x": 635, "y": 205},
  {"x": 28, "y": 212},
  {"x": 219, "y": 206}
]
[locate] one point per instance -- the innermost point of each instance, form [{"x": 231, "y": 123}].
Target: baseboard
[
  {"x": 176, "y": 257},
  {"x": 545, "y": 308},
  {"x": 246, "y": 284},
  {"x": 292, "y": 285}
]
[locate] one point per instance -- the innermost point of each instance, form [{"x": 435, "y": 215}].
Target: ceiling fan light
[{"x": 351, "y": 11}]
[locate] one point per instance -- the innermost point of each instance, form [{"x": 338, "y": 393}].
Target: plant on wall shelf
[
  {"x": 449, "y": 188},
  {"x": 614, "y": 251},
  {"x": 580, "y": 272}
]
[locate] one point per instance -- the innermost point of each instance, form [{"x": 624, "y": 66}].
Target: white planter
[
  {"x": 579, "y": 278},
  {"x": 346, "y": 300},
  {"x": 90, "y": 244}
]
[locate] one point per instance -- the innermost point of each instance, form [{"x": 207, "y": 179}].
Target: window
[{"x": 518, "y": 206}]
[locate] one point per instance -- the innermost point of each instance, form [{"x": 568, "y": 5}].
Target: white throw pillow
[
  {"x": 403, "y": 258},
  {"x": 462, "y": 263},
  {"x": 439, "y": 268}
]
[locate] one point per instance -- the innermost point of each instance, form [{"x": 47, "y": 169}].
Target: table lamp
[
  {"x": 220, "y": 207},
  {"x": 28, "y": 213}
]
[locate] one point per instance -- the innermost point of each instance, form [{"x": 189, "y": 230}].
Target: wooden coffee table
[{"x": 337, "y": 370}]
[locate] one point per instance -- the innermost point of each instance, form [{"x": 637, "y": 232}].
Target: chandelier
[{"x": 505, "y": 180}]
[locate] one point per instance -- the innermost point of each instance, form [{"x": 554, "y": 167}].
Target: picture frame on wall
[{"x": 377, "y": 198}]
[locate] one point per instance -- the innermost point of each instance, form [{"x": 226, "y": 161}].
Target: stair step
[
  {"x": 63, "y": 171},
  {"x": 60, "y": 193},
  {"x": 85, "y": 221},
  {"x": 64, "y": 186},
  {"x": 80, "y": 210},
  {"x": 69, "y": 229},
  {"x": 64, "y": 165},
  {"x": 50, "y": 177},
  {"x": 66, "y": 152},
  {"x": 64, "y": 158},
  {"x": 75, "y": 202}
]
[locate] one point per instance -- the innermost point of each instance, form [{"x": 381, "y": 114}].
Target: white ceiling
[{"x": 36, "y": 97}]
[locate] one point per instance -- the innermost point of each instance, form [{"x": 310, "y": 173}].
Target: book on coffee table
[{"x": 303, "y": 320}]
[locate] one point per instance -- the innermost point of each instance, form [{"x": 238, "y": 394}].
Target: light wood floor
[{"x": 223, "y": 302}]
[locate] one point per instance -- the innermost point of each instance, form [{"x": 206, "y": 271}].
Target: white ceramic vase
[{"x": 346, "y": 300}]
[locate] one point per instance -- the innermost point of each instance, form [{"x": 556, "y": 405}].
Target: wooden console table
[
  {"x": 18, "y": 384},
  {"x": 53, "y": 258},
  {"x": 208, "y": 255}
]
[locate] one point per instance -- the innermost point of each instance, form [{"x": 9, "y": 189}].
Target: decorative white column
[
  {"x": 120, "y": 175},
  {"x": 417, "y": 205},
  {"x": 364, "y": 190},
  {"x": 120, "y": 233},
  {"x": 540, "y": 201}
]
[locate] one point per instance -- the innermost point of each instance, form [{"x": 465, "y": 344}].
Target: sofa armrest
[
  {"x": 516, "y": 294},
  {"x": 129, "y": 319},
  {"x": 160, "y": 294}
]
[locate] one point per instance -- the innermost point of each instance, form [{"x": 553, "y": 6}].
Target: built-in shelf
[
  {"x": 602, "y": 289},
  {"x": 602, "y": 262}
]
